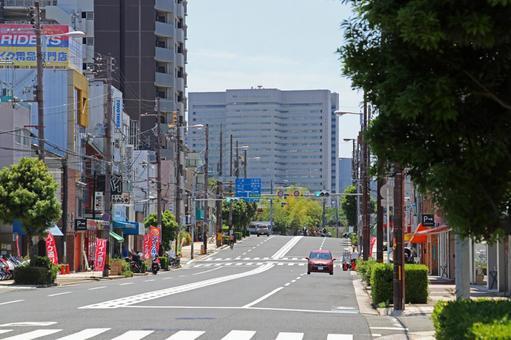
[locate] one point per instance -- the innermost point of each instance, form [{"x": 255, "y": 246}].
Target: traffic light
[
  {"x": 31, "y": 16},
  {"x": 322, "y": 193}
]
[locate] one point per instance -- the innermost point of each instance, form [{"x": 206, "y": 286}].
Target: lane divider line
[{"x": 264, "y": 297}]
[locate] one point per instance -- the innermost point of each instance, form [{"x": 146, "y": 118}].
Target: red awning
[
  {"x": 417, "y": 237},
  {"x": 421, "y": 235}
]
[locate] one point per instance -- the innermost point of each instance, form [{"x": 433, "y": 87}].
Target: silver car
[{"x": 262, "y": 230}]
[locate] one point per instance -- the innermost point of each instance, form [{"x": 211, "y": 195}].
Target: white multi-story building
[{"x": 288, "y": 135}]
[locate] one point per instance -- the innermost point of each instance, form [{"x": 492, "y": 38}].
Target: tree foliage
[
  {"x": 349, "y": 205},
  {"x": 169, "y": 224},
  {"x": 439, "y": 74},
  {"x": 28, "y": 193},
  {"x": 242, "y": 213}
]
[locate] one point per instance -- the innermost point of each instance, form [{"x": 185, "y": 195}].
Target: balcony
[
  {"x": 180, "y": 59},
  {"x": 164, "y": 5},
  {"x": 163, "y": 79},
  {"x": 162, "y": 29},
  {"x": 180, "y": 34},
  {"x": 180, "y": 11},
  {"x": 180, "y": 84},
  {"x": 166, "y": 105},
  {"x": 164, "y": 54}
]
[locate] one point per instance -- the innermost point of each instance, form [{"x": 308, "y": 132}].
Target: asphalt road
[{"x": 258, "y": 290}]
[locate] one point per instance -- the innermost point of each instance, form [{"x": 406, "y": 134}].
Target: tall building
[
  {"x": 147, "y": 40},
  {"x": 345, "y": 173},
  {"x": 288, "y": 134}
]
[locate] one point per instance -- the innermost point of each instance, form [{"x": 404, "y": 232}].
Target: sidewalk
[
  {"x": 439, "y": 290},
  {"x": 186, "y": 251}
]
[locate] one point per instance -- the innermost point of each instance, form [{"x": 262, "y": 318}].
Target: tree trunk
[{"x": 462, "y": 270}]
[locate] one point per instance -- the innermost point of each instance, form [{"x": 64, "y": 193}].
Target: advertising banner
[
  {"x": 154, "y": 240},
  {"x": 51, "y": 249},
  {"x": 100, "y": 258},
  {"x": 18, "y": 45},
  {"x": 18, "y": 245},
  {"x": 147, "y": 250},
  {"x": 372, "y": 245}
]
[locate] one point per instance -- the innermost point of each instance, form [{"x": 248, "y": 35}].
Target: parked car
[
  {"x": 262, "y": 230},
  {"x": 320, "y": 261}
]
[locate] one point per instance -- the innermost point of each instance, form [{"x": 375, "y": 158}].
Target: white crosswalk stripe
[
  {"x": 186, "y": 335},
  {"x": 90, "y": 333},
  {"x": 133, "y": 335},
  {"x": 85, "y": 334},
  {"x": 34, "y": 334},
  {"x": 289, "y": 264},
  {"x": 239, "y": 335},
  {"x": 289, "y": 336}
]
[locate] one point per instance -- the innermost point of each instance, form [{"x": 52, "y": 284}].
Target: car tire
[
  {"x": 308, "y": 273},
  {"x": 332, "y": 273},
  {"x": 258, "y": 235}
]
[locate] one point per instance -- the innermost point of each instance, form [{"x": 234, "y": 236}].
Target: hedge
[
  {"x": 495, "y": 330},
  {"x": 164, "y": 262},
  {"x": 457, "y": 319},
  {"x": 28, "y": 275},
  {"x": 416, "y": 283},
  {"x": 365, "y": 268},
  {"x": 381, "y": 283}
]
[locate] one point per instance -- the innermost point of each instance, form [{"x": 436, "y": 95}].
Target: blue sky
[{"x": 285, "y": 44}]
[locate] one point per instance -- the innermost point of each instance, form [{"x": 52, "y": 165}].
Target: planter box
[{"x": 116, "y": 268}]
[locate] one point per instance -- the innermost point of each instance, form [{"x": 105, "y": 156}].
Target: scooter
[{"x": 155, "y": 265}]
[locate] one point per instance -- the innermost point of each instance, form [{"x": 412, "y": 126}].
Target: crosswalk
[
  {"x": 104, "y": 333},
  {"x": 239, "y": 258},
  {"x": 249, "y": 264}
]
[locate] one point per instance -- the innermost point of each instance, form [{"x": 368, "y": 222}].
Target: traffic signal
[
  {"x": 31, "y": 16},
  {"x": 322, "y": 193}
]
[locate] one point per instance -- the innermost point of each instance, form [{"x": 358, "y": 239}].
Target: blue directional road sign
[{"x": 248, "y": 189}]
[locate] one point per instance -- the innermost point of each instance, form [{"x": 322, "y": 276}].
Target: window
[
  {"x": 90, "y": 15},
  {"x": 84, "y": 15}
]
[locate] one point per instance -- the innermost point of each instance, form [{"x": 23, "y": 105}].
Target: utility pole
[
  {"x": 108, "y": 158},
  {"x": 336, "y": 216},
  {"x": 230, "y": 160},
  {"x": 366, "y": 234},
  {"x": 219, "y": 202},
  {"x": 245, "y": 161},
  {"x": 379, "y": 221},
  {"x": 39, "y": 86},
  {"x": 206, "y": 188},
  {"x": 399, "y": 272},
  {"x": 158, "y": 169},
  {"x": 221, "y": 161},
  {"x": 237, "y": 160},
  {"x": 65, "y": 208},
  {"x": 323, "y": 213},
  {"x": 271, "y": 204},
  {"x": 177, "y": 167}
]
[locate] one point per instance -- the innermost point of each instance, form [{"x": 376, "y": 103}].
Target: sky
[{"x": 284, "y": 44}]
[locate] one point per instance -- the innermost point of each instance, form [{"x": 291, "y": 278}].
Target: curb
[{"x": 363, "y": 301}]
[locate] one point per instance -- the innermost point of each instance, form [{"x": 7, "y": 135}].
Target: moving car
[
  {"x": 262, "y": 230},
  {"x": 320, "y": 261}
]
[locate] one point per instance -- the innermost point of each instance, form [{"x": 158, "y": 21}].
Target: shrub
[
  {"x": 455, "y": 319},
  {"x": 40, "y": 261},
  {"x": 381, "y": 283},
  {"x": 416, "y": 282},
  {"x": 164, "y": 262},
  {"x": 495, "y": 330},
  {"x": 30, "y": 275},
  {"x": 238, "y": 235},
  {"x": 185, "y": 238},
  {"x": 365, "y": 268}
]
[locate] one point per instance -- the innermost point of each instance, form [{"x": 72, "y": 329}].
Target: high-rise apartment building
[{"x": 288, "y": 134}]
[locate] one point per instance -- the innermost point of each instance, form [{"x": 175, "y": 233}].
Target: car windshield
[{"x": 320, "y": 256}]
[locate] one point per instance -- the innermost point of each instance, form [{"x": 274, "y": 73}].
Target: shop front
[{"x": 86, "y": 233}]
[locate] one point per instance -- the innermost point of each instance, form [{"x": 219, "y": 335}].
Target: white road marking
[
  {"x": 57, "y": 294},
  {"x": 208, "y": 265},
  {"x": 167, "y": 278},
  {"x": 156, "y": 294},
  {"x": 301, "y": 264},
  {"x": 264, "y": 297},
  {"x": 256, "y": 258},
  {"x": 287, "y": 284},
  {"x": 339, "y": 337},
  {"x": 239, "y": 335},
  {"x": 390, "y": 328},
  {"x": 239, "y": 263},
  {"x": 207, "y": 271},
  {"x": 95, "y": 288},
  {"x": 208, "y": 259},
  {"x": 322, "y": 243},
  {"x": 218, "y": 259},
  {"x": 28, "y": 324},
  {"x": 34, "y": 334},
  {"x": 293, "y": 281},
  {"x": 250, "y": 308},
  {"x": 295, "y": 258},
  {"x": 285, "y": 258},
  {"x": 228, "y": 259},
  {"x": 259, "y": 263},
  {"x": 238, "y": 258},
  {"x": 266, "y": 258},
  {"x": 376, "y": 335},
  {"x": 290, "y": 264},
  {"x": 218, "y": 264},
  {"x": 280, "y": 263},
  {"x": 150, "y": 280},
  {"x": 126, "y": 284},
  {"x": 9, "y": 302},
  {"x": 186, "y": 335},
  {"x": 299, "y": 277},
  {"x": 247, "y": 259},
  {"x": 198, "y": 265},
  {"x": 289, "y": 336},
  {"x": 133, "y": 335},
  {"x": 85, "y": 334},
  {"x": 3, "y": 331}
]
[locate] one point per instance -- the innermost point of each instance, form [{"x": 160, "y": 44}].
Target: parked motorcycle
[{"x": 155, "y": 265}]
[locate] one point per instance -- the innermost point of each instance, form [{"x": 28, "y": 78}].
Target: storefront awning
[
  {"x": 125, "y": 225},
  {"x": 55, "y": 231},
  {"x": 422, "y": 233},
  {"x": 117, "y": 237}
]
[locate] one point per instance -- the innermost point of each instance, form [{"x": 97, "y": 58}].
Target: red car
[{"x": 320, "y": 261}]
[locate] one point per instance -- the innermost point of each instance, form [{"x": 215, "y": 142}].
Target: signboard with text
[
  {"x": 248, "y": 189},
  {"x": 51, "y": 249},
  {"x": 18, "y": 45},
  {"x": 99, "y": 259}
]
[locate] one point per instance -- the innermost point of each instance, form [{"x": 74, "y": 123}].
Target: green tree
[
  {"x": 242, "y": 213},
  {"x": 349, "y": 205},
  {"x": 28, "y": 193},
  {"x": 439, "y": 74},
  {"x": 170, "y": 227}
]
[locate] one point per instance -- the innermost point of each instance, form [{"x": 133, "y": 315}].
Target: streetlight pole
[
  {"x": 158, "y": 169},
  {"x": 245, "y": 161},
  {"x": 108, "y": 157},
  {"x": 39, "y": 88},
  {"x": 206, "y": 187}
]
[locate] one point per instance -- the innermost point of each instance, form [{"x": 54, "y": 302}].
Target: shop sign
[
  {"x": 51, "y": 249},
  {"x": 154, "y": 240},
  {"x": 99, "y": 259},
  {"x": 428, "y": 220},
  {"x": 80, "y": 224}
]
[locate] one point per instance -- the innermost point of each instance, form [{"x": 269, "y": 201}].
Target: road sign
[
  {"x": 248, "y": 189},
  {"x": 296, "y": 193},
  {"x": 280, "y": 193}
]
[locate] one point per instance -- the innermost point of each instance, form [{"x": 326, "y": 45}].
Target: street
[{"x": 258, "y": 290}]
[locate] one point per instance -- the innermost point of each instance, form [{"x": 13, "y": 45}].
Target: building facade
[
  {"x": 287, "y": 135},
  {"x": 345, "y": 173}
]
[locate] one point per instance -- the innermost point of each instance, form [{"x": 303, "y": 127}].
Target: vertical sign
[
  {"x": 117, "y": 112},
  {"x": 99, "y": 260},
  {"x": 147, "y": 251},
  {"x": 154, "y": 234},
  {"x": 18, "y": 245},
  {"x": 51, "y": 249}
]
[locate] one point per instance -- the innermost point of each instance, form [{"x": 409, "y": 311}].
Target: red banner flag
[
  {"x": 18, "y": 245},
  {"x": 373, "y": 242},
  {"x": 154, "y": 241},
  {"x": 147, "y": 251},
  {"x": 100, "y": 258},
  {"x": 51, "y": 249}
]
